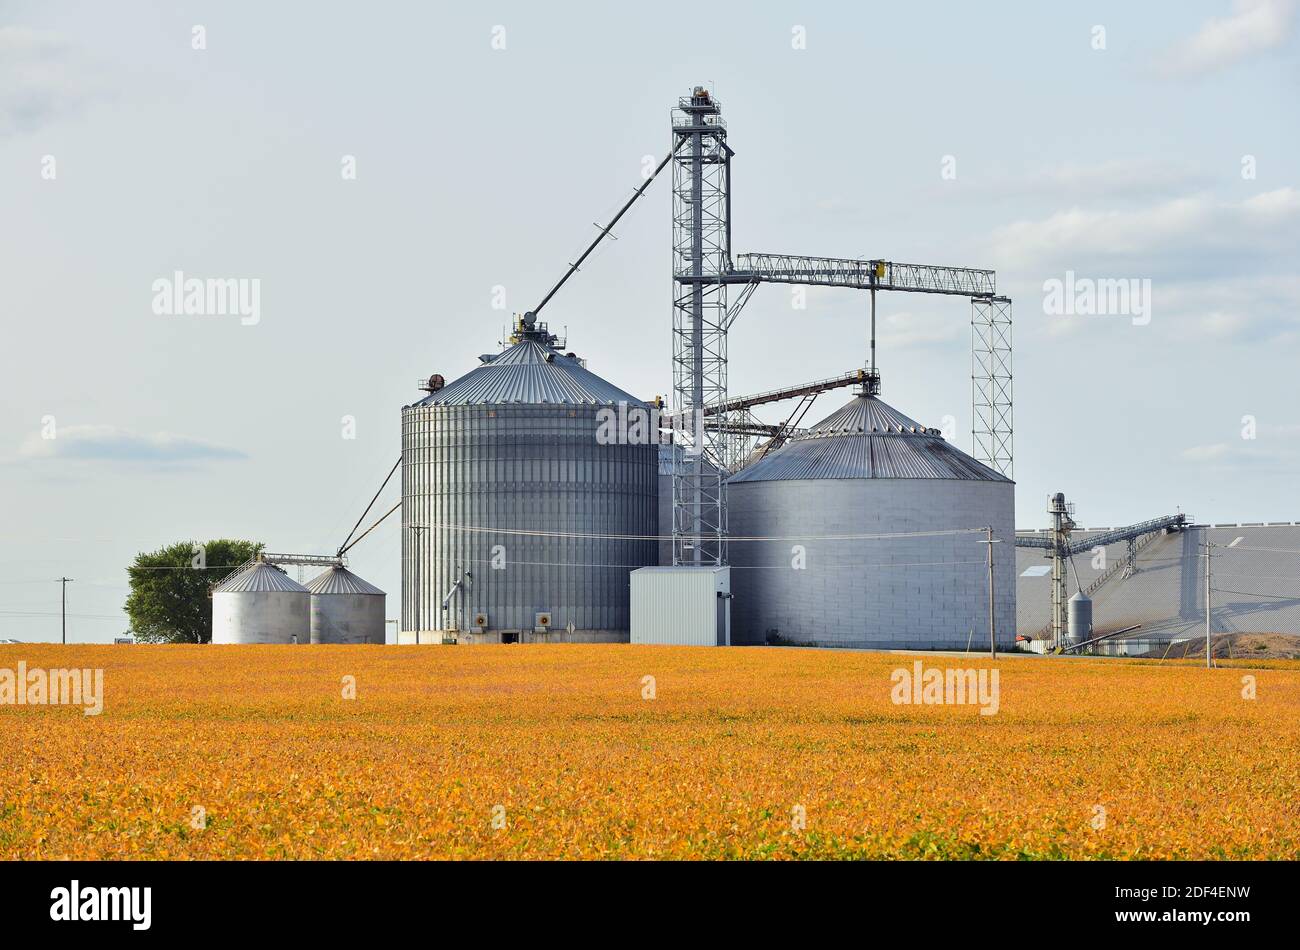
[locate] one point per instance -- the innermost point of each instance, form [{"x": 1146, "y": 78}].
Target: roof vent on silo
[
  {"x": 529, "y": 372},
  {"x": 433, "y": 383}
]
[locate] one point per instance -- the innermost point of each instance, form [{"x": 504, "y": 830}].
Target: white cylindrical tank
[
  {"x": 1079, "y": 618},
  {"x": 866, "y": 531},
  {"x": 345, "y": 609},
  {"x": 260, "y": 605}
]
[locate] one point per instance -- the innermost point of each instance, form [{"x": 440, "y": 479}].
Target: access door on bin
[{"x": 724, "y": 619}]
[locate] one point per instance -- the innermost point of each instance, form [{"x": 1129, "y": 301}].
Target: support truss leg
[{"x": 991, "y": 428}]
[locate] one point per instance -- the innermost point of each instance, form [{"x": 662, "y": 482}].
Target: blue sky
[{"x": 1113, "y": 155}]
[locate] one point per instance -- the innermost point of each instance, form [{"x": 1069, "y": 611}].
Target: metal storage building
[
  {"x": 686, "y": 606},
  {"x": 345, "y": 608},
  {"x": 260, "y": 605},
  {"x": 518, "y": 521},
  {"x": 865, "y": 470},
  {"x": 1257, "y": 568}
]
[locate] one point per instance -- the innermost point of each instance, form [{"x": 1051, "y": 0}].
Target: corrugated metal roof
[
  {"x": 339, "y": 580},
  {"x": 260, "y": 577},
  {"x": 867, "y": 439},
  {"x": 530, "y": 372},
  {"x": 865, "y": 414}
]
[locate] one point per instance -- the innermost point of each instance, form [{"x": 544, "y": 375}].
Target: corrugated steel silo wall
[
  {"x": 272, "y": 616},
  {"x": 523, "y": 468},
  {"x": 920, "y": 593},
  {"x": 665, "y": 509},
  {"x": 347, "y": 618}
]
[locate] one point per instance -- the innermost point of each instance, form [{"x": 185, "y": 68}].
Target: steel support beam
[{"x": 863, "y": 275}]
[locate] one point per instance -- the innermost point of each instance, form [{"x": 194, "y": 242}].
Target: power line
[
  {"x": 185, "y": 567},
  {"x": 58, "y": 613},
  {"x": 578, "y": 535},
  {"x": 734, "y": 567},
  {"x": 1252, "y": 593}
]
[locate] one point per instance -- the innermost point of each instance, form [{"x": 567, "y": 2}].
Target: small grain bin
[
  {"x": 345, "y": 608},
  {"x": 260, "y": 605},
  {"x": 1079, "y": 611}
]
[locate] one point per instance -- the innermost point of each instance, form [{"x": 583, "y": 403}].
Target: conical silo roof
[
  {"x": 530, "y": 371},
  {"x": 339, "y": 580},
  {"x": 260, "y": 577},
  {"x": 867, "y": 438}
]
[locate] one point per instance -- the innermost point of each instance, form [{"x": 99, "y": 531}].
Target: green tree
[{"x": 169, "y": 600}]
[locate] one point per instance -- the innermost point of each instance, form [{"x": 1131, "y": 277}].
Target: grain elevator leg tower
[{"x": 701, "y": 257}]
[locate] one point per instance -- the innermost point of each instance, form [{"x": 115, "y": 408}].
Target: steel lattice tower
[
  {"x": 991, "y": 428},
  {"x": 701, "y": 258}
]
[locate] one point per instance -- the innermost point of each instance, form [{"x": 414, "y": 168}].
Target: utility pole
[
  {"x": 417, "y": 528},
  {"x": 64, "y": 582},
  {"x": 1208, "y": 546},
  {"x": 993, "y": 640}
]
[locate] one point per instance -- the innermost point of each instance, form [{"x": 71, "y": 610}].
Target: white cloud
[
  {"x": 1142, "y": 178},
  {"x": 1206, "y": 453},
  {"x": 1226, "y": 309},
  {"x": 836, "y": 204},
  {"x": 899, "y": 330},
  {"x": 1243, "y": 454},
  {"x": 1208, "y": 308},
  {"x": 1195, "y": 222},
  {"x": 1221, "y": 324},
  {"x": 1254, "y": 26},
  {"x": 1287, "y": 430},
  {"x": 1277, "y": 205},
  {"x": 111, "y": 444},
  {"x": 1239, "y": 326},
  {"x": 42, "y": 78}
]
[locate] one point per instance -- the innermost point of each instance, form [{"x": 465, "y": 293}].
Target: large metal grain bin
[
  {"x": 345, "y": 609},
  {"x": 873, "y": 526},
  {"x": 260, "y": 605},
  {"x": 521, "y": 516}
]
